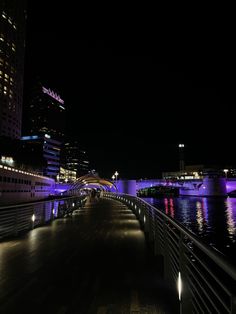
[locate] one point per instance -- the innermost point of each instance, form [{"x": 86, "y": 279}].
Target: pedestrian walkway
[{"x": 96, "y": 261}]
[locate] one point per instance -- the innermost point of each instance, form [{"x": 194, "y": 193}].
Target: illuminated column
[
  {"x": 181, "y": 157},
  {"x": 127, "y": 187}
]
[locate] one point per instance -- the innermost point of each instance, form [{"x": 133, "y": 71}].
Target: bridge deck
[{"x": 94, "y": 262}]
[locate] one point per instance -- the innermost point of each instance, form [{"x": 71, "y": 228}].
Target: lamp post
[
  {"x": 116, "y": 174},
  {"x": 226, "y": 171},
  {"x": 181, "y": 157},
  {"x": 113, "y": 178}
]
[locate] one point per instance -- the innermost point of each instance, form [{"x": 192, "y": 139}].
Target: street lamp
[
  {"x": 226, "y": 171},
  {"x": 116, "y": 174},
  {"x": 181, "y": 157},
  {"x": 113, "y": 177}
]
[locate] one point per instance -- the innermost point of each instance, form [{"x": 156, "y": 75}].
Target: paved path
[{"x": 94, "y": 262}]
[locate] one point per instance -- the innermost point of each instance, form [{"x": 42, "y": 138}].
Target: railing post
[
  {"x": 185, "y": 302},
  {"x": 157, "y": 237},
  {"x": 167, "y": 268},
  {"x": 145, "y": 221}
]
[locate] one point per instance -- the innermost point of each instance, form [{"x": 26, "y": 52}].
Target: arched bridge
[{"x": 194, "y": 187}]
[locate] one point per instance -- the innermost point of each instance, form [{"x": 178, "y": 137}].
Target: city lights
[{"x": 51, "y": 93}]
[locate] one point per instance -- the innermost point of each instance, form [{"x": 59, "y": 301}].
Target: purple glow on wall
[
  {"x": 231, "y": 185},
  {"x": 56, "y": 204},
  {"x": 51, "y": 93}
]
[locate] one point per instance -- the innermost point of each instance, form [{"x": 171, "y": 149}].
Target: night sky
[{"x": 132, "y": 98}]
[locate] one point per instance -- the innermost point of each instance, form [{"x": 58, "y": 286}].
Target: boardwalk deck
[{"x": 96, "y": 261}]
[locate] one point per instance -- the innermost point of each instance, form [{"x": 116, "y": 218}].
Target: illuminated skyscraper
[
  {"x": 44, "y": 124},
  {"x": 12, "y": 47},
  {"x": 45, "y": 113}
]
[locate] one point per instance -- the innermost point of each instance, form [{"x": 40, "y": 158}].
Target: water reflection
[
  {"x": 172, "y": 211},
  {"x": 231, "y": 207},
  {"x": 169, "y": 207},
  {"x": 166, "y": 206},
  {"x": 200, "y": 220},
  {"x": 205, "y": 208},
  {"x": 213, "y": 219}
]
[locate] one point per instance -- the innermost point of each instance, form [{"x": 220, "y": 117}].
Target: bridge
[
  {"x": 207, "y": 186},
  {"x": 109, "y": 254},
  {"x": 194, "y": 187}
]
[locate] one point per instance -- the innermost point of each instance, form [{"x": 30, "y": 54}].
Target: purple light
[{"x": 51, "y": 93}]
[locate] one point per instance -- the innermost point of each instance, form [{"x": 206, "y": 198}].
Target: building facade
[
  {"x": 45, "y": 113},
  {"x": 74, "y": 158},
  {"x": 12, "y": 47},
  {"x": 44, "y": 152},
  {"x": 67, "y": 176},
  {"x": 44, "y": 118}
]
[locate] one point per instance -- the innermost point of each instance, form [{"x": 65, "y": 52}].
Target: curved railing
[
  {"x": 15, "y": 219},
  {"x": 206, "y": 279}
]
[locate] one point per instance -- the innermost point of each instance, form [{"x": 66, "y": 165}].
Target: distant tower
[
  {"x": 12, "y": 46},
  {"x": 45, "y": 113},
  {"x": 181, "y": 157}
]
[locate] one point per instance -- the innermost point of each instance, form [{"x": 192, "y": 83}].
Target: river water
[{"x": 212, "y": 219}]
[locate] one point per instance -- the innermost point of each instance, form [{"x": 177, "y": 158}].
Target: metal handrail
[
  {"x": 206, "y": 271},
  {"x": 35, "y": 203},
  {"x": 23, "y": 217},
  {"x": 218, "y": 257}
]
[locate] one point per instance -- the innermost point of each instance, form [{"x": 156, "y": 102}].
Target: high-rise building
[
  {"x": 44, "y": 124},
  {"x": 45, "y": 113},
  {"x": 75, "y": 158},
  {"x": 44, "y": 152},
  {"x": 12, "y": 47}
]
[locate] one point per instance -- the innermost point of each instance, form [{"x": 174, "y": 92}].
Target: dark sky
[{"x": 133, "y": 97}]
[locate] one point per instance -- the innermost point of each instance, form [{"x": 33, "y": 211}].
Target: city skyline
[{"x": 131, "y": 102}]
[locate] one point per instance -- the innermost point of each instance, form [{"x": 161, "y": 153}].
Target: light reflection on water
[{"x": 212, "y": 219}]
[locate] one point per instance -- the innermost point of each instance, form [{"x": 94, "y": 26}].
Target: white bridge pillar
[{"x": 127, "y": 187}]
